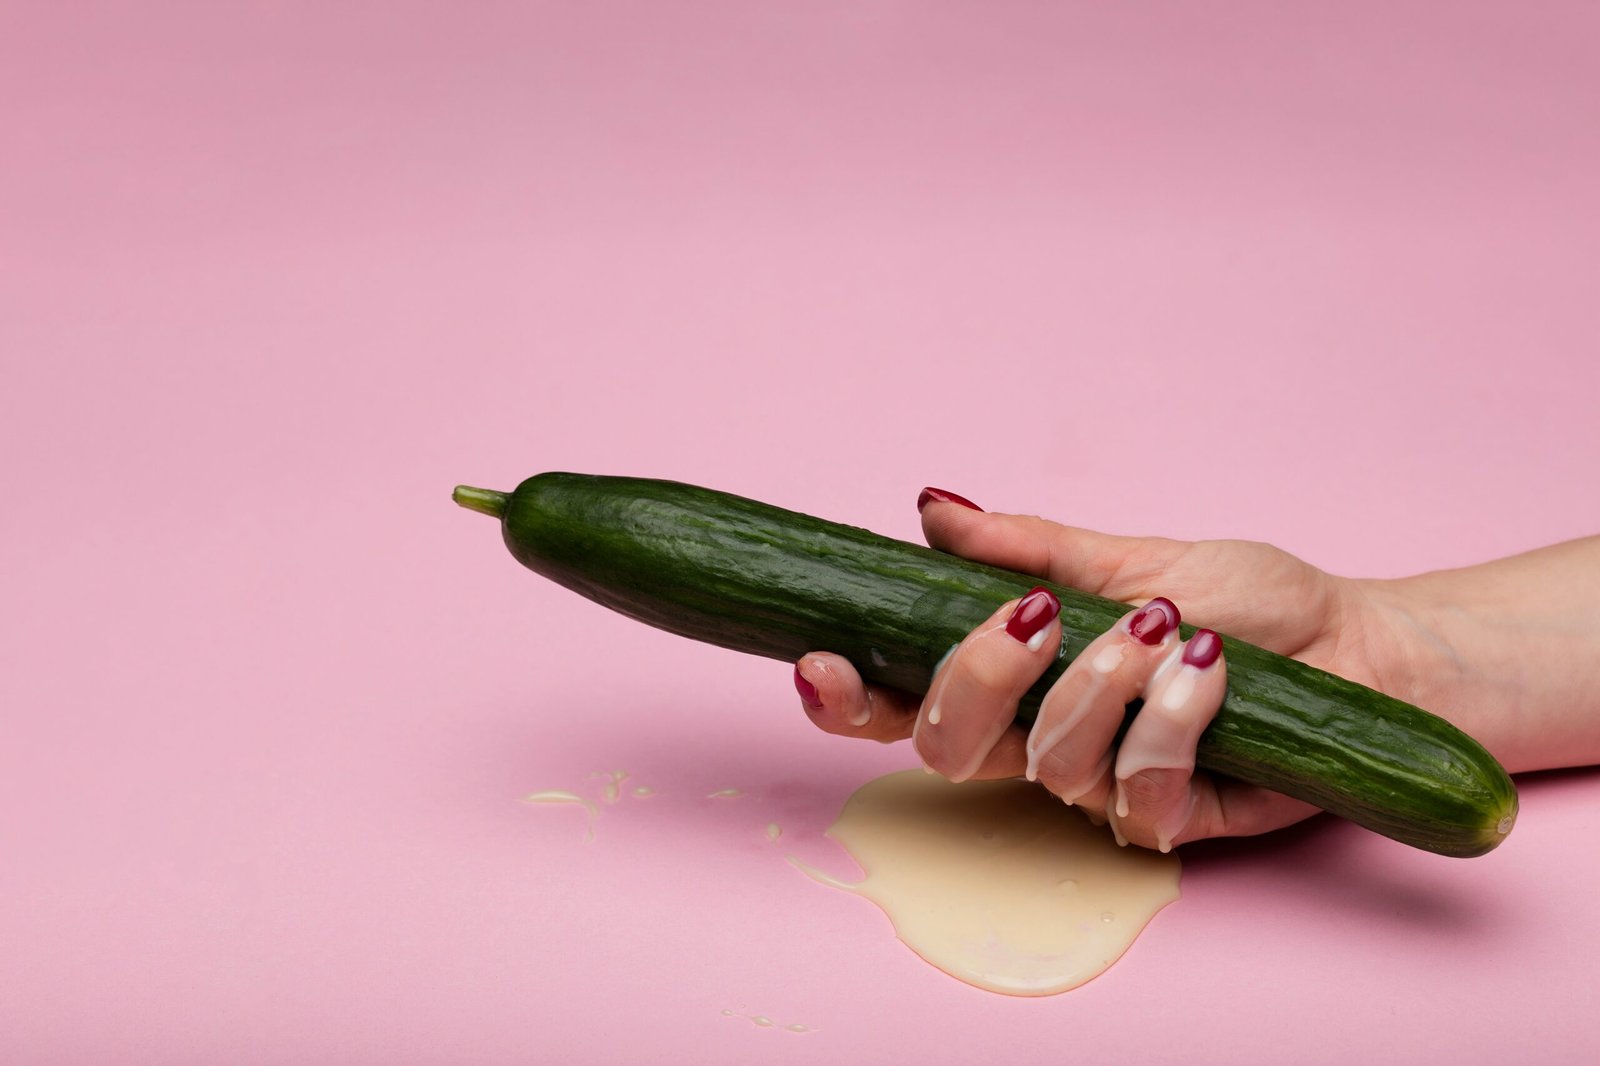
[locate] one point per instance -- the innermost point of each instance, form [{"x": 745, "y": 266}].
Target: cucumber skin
[{"x": 760, "y": 579}]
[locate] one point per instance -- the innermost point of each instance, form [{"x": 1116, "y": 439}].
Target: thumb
[{"x": 1120, "y": 568}]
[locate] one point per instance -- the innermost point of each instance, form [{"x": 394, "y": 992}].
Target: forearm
[{"x": 1508, "y": 650}]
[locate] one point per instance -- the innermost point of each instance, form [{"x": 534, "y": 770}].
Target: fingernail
[
  {"x": 1203, "y": 649},
  {"x": 1153, "y": 621},
  {"x": 1033, "y": 612},
  {"x": 808, "y": 691},
  {"x": 930, "y": 494}
]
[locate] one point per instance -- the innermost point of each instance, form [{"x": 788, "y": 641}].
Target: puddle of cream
[{"x": 998, "y": 883}]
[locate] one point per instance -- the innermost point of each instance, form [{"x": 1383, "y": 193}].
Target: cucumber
[{"x": 756, "y": 578}]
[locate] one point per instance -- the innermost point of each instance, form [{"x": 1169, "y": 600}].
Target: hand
[{"x": 1146, "y": 786}]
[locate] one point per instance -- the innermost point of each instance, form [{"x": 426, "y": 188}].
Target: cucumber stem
[{"x": 484, "y": 501}]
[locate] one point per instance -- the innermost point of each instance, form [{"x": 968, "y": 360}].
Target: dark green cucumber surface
[{"x": 768, "y": 581}]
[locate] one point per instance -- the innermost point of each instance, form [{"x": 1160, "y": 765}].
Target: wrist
[
  {"x": 1426, "y": 647},
  {"x": 1511, "y": 663}
]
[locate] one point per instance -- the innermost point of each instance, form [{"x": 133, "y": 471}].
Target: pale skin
[{"x": 1509, "y": 651}]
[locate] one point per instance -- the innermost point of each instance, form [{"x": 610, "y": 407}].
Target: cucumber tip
[{"x": 484, "y": 501}]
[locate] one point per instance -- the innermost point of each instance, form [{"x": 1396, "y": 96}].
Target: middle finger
[
  {"x": 973, "y": 697},
  {"x": 1069, "y": 748}
]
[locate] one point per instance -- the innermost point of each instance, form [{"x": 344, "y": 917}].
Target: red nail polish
[
  {"x": 808, "y": 691},
  {"x": 931, "y": 494},
  {"x": 1032, "y": 613},
  {"x": 1203, "y": 648},
  {"x": 1154, "y": 620}
]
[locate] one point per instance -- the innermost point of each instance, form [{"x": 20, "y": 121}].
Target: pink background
[{"x": 276, "y": 276}]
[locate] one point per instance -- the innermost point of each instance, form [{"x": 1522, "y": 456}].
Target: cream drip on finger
[
  {"x": 1038, "y": 745},
  {"x": 940, "y": 677},
  {"x": 1105, "y": 655},
  {"x": 1169, "y": 727},
  {"x": 1157, "y": 755}
]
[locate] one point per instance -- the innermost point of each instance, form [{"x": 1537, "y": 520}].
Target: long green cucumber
[{"x": 761, "y": 579}]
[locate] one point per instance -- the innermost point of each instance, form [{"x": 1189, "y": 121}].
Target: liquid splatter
[
  {"x": 556, "y": 795},
  {"x": 761, "y": 1021},
  {"x": 613, "y": 788}
]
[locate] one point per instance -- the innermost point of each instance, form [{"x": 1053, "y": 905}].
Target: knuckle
[
  {"x": 1165, "y": 727},
  {"x": 1144, "y": 792},
  {"x": 833, "y": 723},
  {"x": 1070, "y": 776},
  {"x": 935, "y": 757},
  {"x": 988, "y": 674}
]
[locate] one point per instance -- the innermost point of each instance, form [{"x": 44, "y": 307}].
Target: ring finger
[{"x": 1070, "y": 746}]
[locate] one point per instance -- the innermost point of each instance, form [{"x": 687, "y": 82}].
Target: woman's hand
[{"x": 1146, "y": 786}]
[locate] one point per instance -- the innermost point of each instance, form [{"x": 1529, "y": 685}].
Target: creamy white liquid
[
  {"x": 761, "y": 1021},
  {"x": 556, "y": 795},
  {"x": 614, "y": 779},
  {"x": 610, "y": 793},
  {"x": 998, "y": 883}
]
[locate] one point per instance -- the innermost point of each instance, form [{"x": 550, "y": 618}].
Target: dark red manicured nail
[
  {"x": 931, "y": 494},
  {"x": 1032, "y": 613},
  {"x": 1154, "y": 620},
  {"x": 808, "y": 691},
  {"x": 1203, "y": 648}
]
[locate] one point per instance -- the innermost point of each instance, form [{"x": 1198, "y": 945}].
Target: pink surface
[{"x": 274, "y": 277}]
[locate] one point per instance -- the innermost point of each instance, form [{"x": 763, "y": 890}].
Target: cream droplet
[
  {"x": 613, "y": 787},
  {"x": 725, "y": 793},
  {"x": 764, "y": 1022},
  {"x": 1180, "y": 688},
  {"x": 1109, "y": 658},
  {"x": 556, "y": 795}
]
